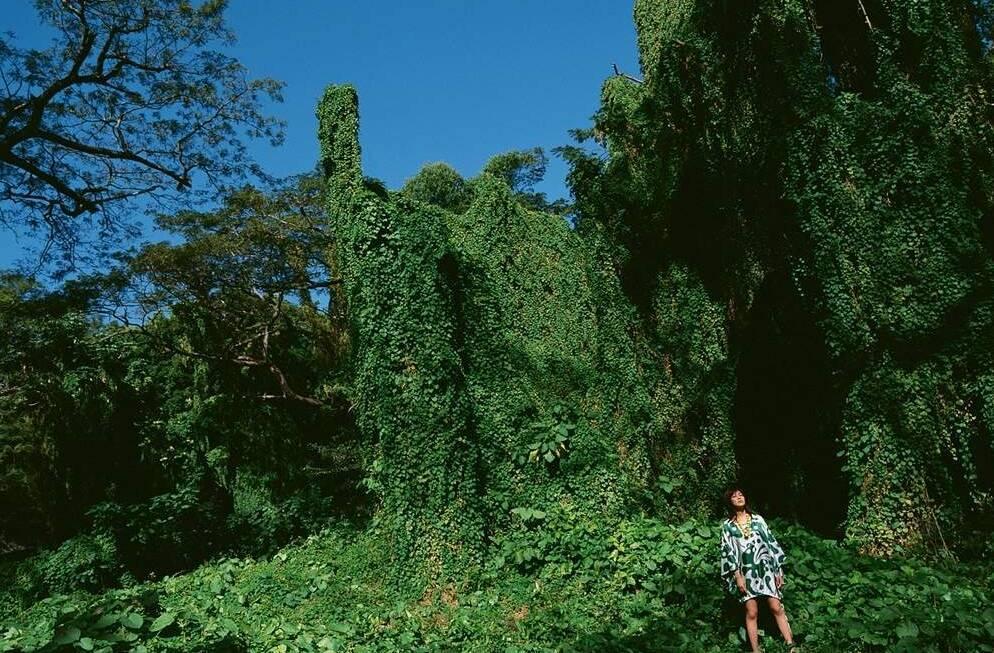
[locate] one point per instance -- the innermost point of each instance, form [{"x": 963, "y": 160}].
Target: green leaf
[
  {"x": 133, "y": 621},
  {"x": 162, "y": 621},
  {"x": 906, "y": 630},
  {"x": 345, "y": 629},
  {"x": 66, "y": 635},
  {"x": 107, "y": 620},
  {"x": 86, "y": 644}
]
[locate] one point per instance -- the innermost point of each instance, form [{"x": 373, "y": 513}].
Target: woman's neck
[{"x": 741, "y": 515}]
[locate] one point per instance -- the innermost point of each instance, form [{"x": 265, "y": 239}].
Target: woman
[{"x": 752, "y": 565}]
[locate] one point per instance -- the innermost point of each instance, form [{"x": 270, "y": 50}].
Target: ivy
[
  {"x": 410, "y": 390},
  {"x": 562, "y": 581},
  {"x": 478, "y": 318},
  {"x": 814, "y": 167}
]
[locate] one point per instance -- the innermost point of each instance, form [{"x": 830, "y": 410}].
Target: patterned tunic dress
[{"x": 758, "y": 557}]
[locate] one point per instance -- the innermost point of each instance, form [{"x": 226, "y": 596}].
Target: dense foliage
[
  {"x": 561, "y": 583},
  {"x": 494, "y": 368},
  {"x": 799, "y": 198},
  {"x": 504, "y": 424},
  {"x": 207, "y": 418}
]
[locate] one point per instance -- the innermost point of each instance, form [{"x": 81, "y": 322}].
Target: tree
[
  {"x": 130, "y": 101},
  {"x": 190, "y": 365},
  {"x": 798, "y": 199},
  {"x": 439, "y": 184},
  {"x": 521, "y": 170},
  {"x": 253, "y": 274}
]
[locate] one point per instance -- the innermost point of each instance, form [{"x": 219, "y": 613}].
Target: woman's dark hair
[{"x": 729, "y": 508}]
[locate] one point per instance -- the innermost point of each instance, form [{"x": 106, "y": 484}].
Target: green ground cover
[{"x": 557, "y": 585}]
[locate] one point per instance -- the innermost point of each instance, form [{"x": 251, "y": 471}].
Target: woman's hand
[
  {"x": 778, "y": 579},
  {"x": 741, "y": 582}
]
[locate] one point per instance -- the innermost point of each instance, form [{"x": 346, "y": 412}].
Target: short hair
[{"x": 729, "y": 508}]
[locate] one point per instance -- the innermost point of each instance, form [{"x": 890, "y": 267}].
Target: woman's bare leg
[
  {"x": 752, "y": 628},
  {"x": 776, "y": 607}
]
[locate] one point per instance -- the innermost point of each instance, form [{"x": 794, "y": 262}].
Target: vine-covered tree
[
  {"x": 800, "y": 201},
  {"x": 130, "y": 101},
  {"x": 493, "y": 371}
]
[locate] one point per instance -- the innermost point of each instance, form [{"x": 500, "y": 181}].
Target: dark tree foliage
[
  {"x": 130, "y": 101},
  {"x": 188, "y": 403},
  {"x": 241, "y": 272},
  {"x": 799, "y": 202},
  {"x": 60, "y": 398}
]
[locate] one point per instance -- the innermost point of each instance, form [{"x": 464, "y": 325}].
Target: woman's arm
[
  {"x": 777, "y": 555},
  {"x": 731, "y": 559}
]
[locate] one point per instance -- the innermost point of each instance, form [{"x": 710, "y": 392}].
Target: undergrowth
[{"x": 555, "y": 584}]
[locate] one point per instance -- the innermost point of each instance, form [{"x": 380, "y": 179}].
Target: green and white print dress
[{"x": 758, "y": 557}]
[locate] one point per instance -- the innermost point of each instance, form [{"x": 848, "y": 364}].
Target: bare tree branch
[{"x": 130, "y": 101}]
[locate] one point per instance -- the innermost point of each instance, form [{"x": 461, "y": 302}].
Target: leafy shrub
[
  {"x": 634, "y": 585},
  {"x": 171, "y": 531},
  {"x": 20, "y": 586},
  {"x": 261, "y": 524},
  {"x": 87, "y": 563}
]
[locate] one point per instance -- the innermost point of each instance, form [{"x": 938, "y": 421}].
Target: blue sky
[{"x": 438, "y": 80}]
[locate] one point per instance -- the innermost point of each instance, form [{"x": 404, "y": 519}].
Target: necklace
[{"x": 745, "y": 527}]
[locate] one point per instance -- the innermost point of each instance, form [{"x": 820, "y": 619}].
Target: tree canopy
[{"x": 132, "y": 100}]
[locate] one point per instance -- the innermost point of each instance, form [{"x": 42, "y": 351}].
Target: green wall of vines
[
  {"x": 830, "y": 162},
  {"x": 410, "y": 390},
  {"x": 547, "y": 355},
  {"x": 781, "y": 273},
  {"x": 494, "y": 367}
]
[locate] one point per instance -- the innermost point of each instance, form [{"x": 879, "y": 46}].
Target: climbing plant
[
  {"x": 481, "y": 326},
  {"x": 797, "y": 198},
  {"x": 409, "y": 385}
]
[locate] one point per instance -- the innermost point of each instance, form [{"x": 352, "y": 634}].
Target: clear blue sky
[{"x": 438, "y": 80}]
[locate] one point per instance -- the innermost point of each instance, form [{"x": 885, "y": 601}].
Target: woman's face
[{"x": 738, "y": 499}]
